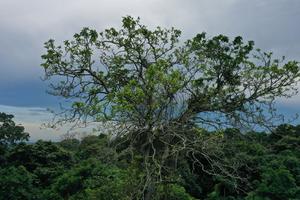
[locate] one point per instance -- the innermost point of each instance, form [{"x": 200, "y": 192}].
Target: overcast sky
[{"x": 26, "y": 24}]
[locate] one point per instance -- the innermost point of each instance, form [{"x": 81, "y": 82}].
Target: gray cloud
[
  {"x": 34, "y": 118},
  {"x": 26, "y": 25}
]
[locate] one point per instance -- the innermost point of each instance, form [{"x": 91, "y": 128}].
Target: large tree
[{"x": 157, "y": 91}]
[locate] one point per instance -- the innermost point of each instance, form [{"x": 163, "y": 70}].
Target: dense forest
[
  {"x": 192, "y": 119},
  {"x": 267, "y": 167}
]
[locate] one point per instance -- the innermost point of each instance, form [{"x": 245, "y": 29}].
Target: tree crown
[{"x": 147, "y": 78}]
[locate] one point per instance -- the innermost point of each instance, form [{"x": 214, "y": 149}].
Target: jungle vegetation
[{"x": 192, "y": 119}]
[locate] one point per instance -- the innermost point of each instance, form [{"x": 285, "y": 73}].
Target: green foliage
[
  {"x": 45, "y": 159},
  {"x": 156, "y": 91},
  {"x": 147, "y": 77},
  {"x": 172, "y": 192},
  {"x": 97, "y": 147},
  {"x": 3, "y": 151},
  {"x": 93, "y": 180},
  {"x": 70, "y": 144},
  {"x": 16, "y": 183},
  {"x": 159, "y": 95},
  {"x": 267, "y": 167},
  {"x": 277, "y": 184},
  {"x": 10, "y": 133}
]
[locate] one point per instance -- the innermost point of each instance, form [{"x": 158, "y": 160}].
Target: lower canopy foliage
[
  {"x": 268, "y": 166},
  {"x": 157, "y": 93}
]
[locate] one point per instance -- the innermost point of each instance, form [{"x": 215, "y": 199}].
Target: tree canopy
[
  {"x": 10, "y": 133},
  {"x": 267, "y": 164},
  {"x": 159, "y": 92},
  {"x": 146, "y": 77}
]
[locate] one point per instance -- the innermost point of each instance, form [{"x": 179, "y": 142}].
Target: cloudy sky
[{"x": 26, "y": 25}]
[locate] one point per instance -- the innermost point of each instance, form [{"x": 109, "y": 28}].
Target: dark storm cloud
[{"x": 26, "y": 25}]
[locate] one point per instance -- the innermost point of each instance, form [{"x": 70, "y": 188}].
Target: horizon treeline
[
  {"x": 171, "y": 103},
  {"x": 267, "y": 166}
]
